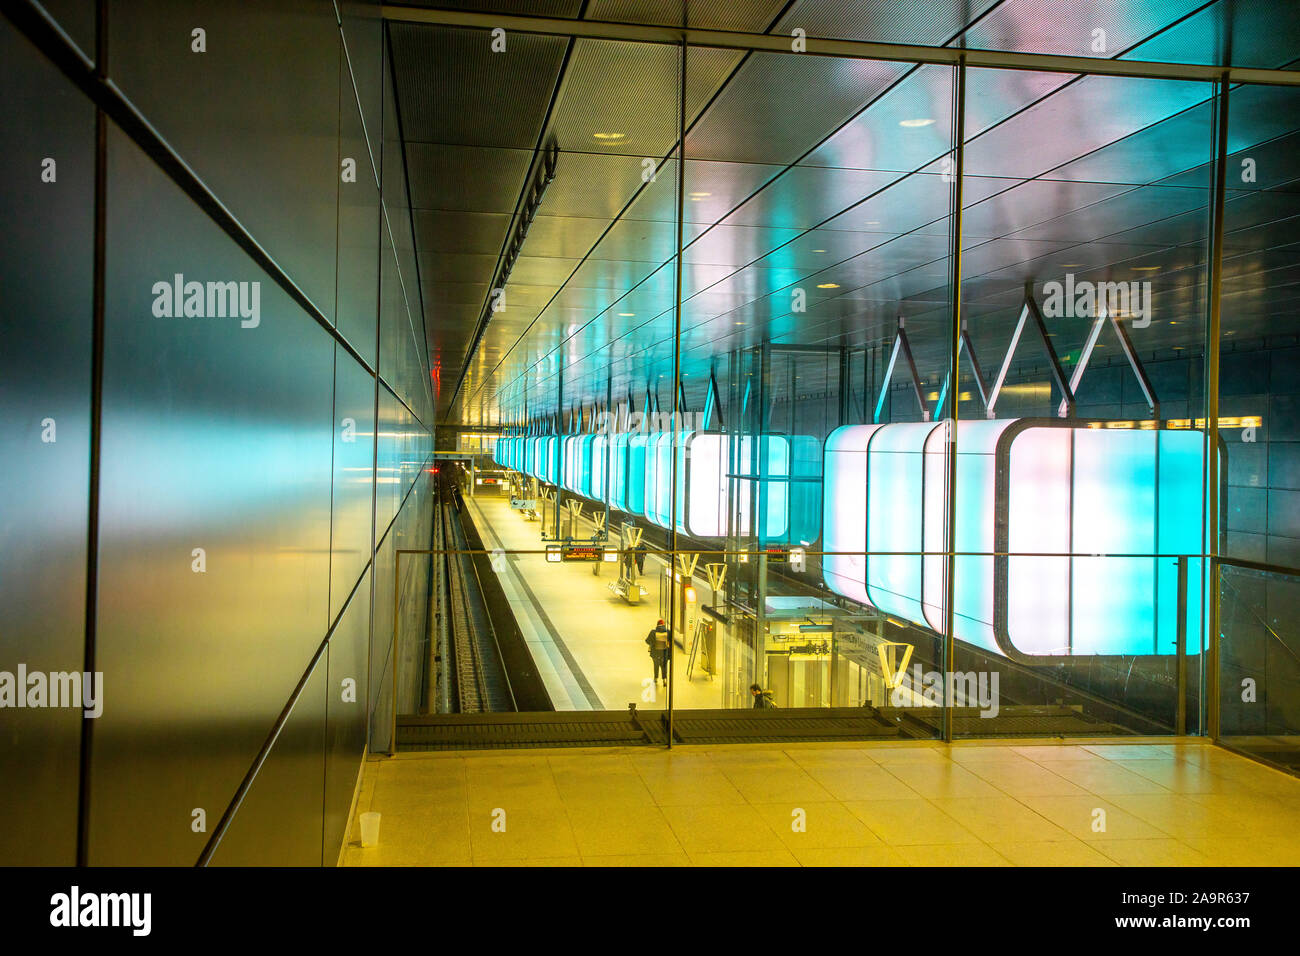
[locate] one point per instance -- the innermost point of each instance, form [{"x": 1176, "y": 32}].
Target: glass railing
[{"x": 1259, "y": 661}]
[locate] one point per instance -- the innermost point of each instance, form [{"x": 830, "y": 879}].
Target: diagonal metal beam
[
  {"x": 903, "y": 348},
  {"x": 1058, "y": 373}
]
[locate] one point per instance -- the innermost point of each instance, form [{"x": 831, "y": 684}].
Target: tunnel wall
[{"x": 216, "y": 441}]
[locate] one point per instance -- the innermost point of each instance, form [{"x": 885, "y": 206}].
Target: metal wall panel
[
  {"x": 256, "y": 115},
  {"x": 359, "y": 223},
  {"x": 354, "y": 447},
  {"x": 211, "y": 440},
  {"x": 46, "y": 274},
  {"x": 281, "y": 816},
  {"x": 345, "y": 719}
]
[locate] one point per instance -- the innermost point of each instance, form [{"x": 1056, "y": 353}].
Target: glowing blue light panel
[{"x": 1075, "y": 531}]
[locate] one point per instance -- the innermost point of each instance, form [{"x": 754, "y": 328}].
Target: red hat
[{"x": 661, "y": 620}]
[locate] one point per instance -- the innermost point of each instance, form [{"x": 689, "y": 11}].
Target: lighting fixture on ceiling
[
  {"x": 696, "y": 197},
  {"x": 819, "y": 250},
  {"x": 609, "y": 137},
  {"x": 915, "y": 123},
  {"x": 1146, "y": 268},
  {"x": 872, "y": 222},
  {"x": 828, "y": 285},
  {"x": 627, "y": 315}
]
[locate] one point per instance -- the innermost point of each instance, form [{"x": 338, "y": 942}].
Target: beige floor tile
[
  {"x": 1132, "y": 751},
  {"x": 949, "y": 854},
  {"x": 1069, "y": 852},
  {"x": 610, "y": 830},
  {"x": 863, "y": 783},
  {"x": 618, "y": 789},
  {"x": 1176, "y": 814},
  {"x": 1104, "y": 777},
  {"x": 888, "y": 755},
  {"x": 588, "y": 764},
  {"x": 1047, "y": 753},
  {"x": 1254, "y": 813},
  {"x": 972, "y": 758},
  {"x": 1001, "y": 819},
  {"x": 1247, "y": 850},
  {"x": 395, "y": 792},
  {"x": 659, "y": 762},
  {"x": 833, "y": 758},
  {"x": 1261, "y": 779},
  {"x": 1179, "y": 776},
  {"x": 776, "y": 785},
  {"x": 825, "y": 826},
  {"x": 639, "y": 860},
  {"x": 1076, "y": 815},
  {"x": 878, "y": 855},
  {"x": 1151, "y": 853},
  {"x": 944, "y": 780},
  {"x": 713, "y": 829},
  {"x": 756, "y": 759},
  {"x": 745, "y": 858},
  {"x": 1025, "y": 779},
  {"x": 397, "y": 856},
  {"x": 909, "y": 822},
  {"x": 556, "y": 861},
  {"x": 529, "y": 833},
  {"x": 425, "y": 837},
  {"x": 707, "y": 787}
]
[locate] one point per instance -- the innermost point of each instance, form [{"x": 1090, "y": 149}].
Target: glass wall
[
  {"x": 1258, "y": 428},
  {"x": 847, "y": 489}
]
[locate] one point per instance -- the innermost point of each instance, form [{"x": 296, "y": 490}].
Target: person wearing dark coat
[{"x": 660, "y": 643}]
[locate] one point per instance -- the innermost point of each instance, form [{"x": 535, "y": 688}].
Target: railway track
[{"x": 471, "y": 676}]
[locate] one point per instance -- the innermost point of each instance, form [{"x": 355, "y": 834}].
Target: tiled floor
[{"x": 1002, "y": 804}]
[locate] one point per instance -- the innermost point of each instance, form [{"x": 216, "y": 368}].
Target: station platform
[
  {"x": 1182, "y": 803},
  {"x": 588, "y": 643}
]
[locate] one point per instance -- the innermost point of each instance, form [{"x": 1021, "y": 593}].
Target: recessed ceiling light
[
  {"x": 698, "y": 196},
  {"x": 828, "y": 285},
  {"x": 742, "y": 323},
  {"x": 1145, "y": 268},
  {"x": 1071, "y": 265},
  {"x": 609, "y": 136},
  {"x": 819, "y": 250},
  {"x": 627, "y": 315},
  {"x": 873, "y": 222},
  {"x": 914, "y": 123}
]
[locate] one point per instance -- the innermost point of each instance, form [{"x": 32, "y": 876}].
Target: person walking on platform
[
  {"x": 659, "y": 643},
  {"x": 762, "y": 698}
]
